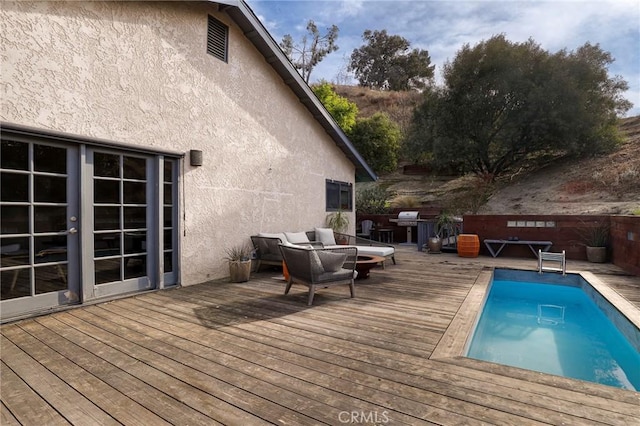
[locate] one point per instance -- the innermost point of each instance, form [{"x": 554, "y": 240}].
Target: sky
[{"x": 443, "y": 27}]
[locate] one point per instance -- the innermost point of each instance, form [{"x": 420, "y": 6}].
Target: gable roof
[{"x": 258, "y": 35}]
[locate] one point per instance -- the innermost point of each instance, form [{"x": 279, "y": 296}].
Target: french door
[
  {"x": 122, "y": 213},
  {"x": 39, "y": 226},
  {"x": 80, "y": 223}
]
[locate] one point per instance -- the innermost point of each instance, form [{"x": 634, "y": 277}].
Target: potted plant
[
  {"x": 339, "y": 222},
  {"x": 443, "y": 223},
  {"x": 596, "y": 240},
  {"x": 239, "y": 258}
]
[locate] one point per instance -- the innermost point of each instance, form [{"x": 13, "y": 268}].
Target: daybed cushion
[
  {"x": 376, "y": 250},
  {"x": 325, "y": 236},
  {"x": 371, "y": 250},
  {"x": 297, "y": 237}
]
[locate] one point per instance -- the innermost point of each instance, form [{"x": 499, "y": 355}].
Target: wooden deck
[{"x": 221, "y": 353}]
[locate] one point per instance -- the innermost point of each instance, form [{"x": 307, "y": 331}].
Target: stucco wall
[{"x": 138, "y": 73}]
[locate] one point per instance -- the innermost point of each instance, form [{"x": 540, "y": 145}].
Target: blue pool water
[{"x": 556, "y": 329}]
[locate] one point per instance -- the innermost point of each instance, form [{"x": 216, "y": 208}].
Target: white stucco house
[{"x": 141, "y": 139}]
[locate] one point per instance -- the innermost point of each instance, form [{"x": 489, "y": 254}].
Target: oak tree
[
  {"x": 386, "y": 62},
  {"x": 503, "y": 102}
]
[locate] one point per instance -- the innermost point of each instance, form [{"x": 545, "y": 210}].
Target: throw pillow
[
  {"x": 325, "y": 236},
  {"x": 332, "y": 262},
  {"x": 316, "y": 264},
  {"x": 297, "y": 237}
]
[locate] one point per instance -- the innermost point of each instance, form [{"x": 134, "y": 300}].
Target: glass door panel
[
  {"x": 121, "y": 221},
  {"x": 169, "y": 199},
  {"x": 38, "y": 241}
]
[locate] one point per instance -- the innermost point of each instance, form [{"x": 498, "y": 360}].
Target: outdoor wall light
[{"x": 195, "y": 157}]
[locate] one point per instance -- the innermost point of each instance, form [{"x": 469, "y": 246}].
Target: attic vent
[{"x": 217, "y": 39}]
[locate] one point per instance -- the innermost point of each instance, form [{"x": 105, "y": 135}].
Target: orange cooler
[{"x": 468, "y": 245}]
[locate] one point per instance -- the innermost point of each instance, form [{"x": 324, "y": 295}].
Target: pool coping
[{"x": 455, "y": 338}]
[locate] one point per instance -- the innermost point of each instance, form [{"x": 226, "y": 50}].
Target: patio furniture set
[{"x": 314, "y": 258}]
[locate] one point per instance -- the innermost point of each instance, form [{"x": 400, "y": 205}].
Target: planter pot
[
  {"x": 342, "y": 241},
  {"x": 468, "y": 245},
  {"x": 435, "y": 245},
  {"x": 239, "y": 271},
  {"x": 597, "y": 254}
]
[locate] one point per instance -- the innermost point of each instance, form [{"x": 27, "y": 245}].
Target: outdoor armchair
[
  {"x": 267, "y": 251},
  {"x": 320, "y": 267}
]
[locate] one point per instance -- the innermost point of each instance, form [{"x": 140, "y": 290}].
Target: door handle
[{"x": 73, "y": 231}]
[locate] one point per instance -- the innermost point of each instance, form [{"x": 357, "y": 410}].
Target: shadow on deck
[{"x": 246, "y": 353}]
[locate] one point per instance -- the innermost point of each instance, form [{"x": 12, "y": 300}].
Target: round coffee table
[{"x": 365, "y": 263}]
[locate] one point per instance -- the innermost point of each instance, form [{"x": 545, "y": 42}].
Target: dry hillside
[
  {"x": 398, "y": 105},
  {"x": 606, "y": 184}
]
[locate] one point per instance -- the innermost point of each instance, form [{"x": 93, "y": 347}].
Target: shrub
[
  {"x": 406, "y": 202},
  {"x": 372, "y": 200},
  {"x": 594, "y": 233}
]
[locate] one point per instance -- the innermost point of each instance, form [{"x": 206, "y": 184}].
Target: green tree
[
  {"x": 418, "y": 143},
  {"x": 377, "y": 139},
  {"x": 504, "y": 101},
  {"x": 372, "y": 200},
  {"x": 340, "y": 108},
  {"x": 385, "y": 62},
  {"x": 312, "y": 49}
]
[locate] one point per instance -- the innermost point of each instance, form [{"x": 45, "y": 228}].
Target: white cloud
[{"x": 442, "y": 27}]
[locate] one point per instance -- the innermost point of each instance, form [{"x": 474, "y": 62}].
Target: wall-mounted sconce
[{"x": 195, "y": 157}]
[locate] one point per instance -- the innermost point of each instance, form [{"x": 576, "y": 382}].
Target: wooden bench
[{"x": 546, "y": 245}]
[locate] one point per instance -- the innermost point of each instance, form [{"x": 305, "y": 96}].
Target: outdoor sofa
[{"x": 268, "y": 252}]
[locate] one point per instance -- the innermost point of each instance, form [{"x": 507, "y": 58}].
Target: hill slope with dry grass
[
  {"x": 398, "y": 105},
  {"x": 606, "y": 184}
]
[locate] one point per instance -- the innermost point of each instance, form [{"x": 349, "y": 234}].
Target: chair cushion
[
  {"x": 297, "y": 237},
  {"x": 331, "y": 262},
  {"x": 340, "y": 274},
  {"x": 325, "y": 236}
]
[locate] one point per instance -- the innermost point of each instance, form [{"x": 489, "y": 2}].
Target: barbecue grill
[{"x": 408, "y": 220}]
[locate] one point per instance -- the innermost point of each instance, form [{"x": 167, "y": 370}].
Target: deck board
[
  {"x": 330, "y": 373},
  {"x": 72, "y": 405},
  {"x": 6, "y": 418},
  {"x": 120, "y": 407},
  {"x": 222, "y": 353},
  {"x": 26, "y": 406}
]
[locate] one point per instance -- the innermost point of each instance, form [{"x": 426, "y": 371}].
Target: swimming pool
[{"x": 558, "y": 325}]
